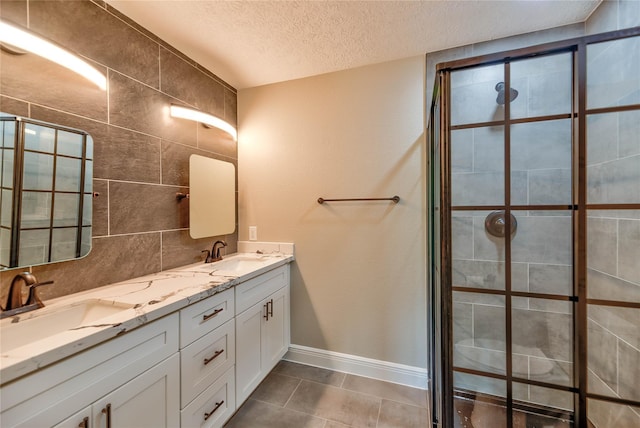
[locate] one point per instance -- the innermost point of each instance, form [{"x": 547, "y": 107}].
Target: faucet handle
[
  {"x": 34, "y": 299},
  {"x": 208, "y": 257}
]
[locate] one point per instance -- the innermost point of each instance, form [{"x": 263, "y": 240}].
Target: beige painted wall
[{"x": 359, "y": 281}]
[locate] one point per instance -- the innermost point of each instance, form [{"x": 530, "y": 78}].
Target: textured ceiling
[{"x": 252, "y": 43}]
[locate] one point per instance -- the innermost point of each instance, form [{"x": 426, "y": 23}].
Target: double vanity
[{"x": 184, "y": 347}]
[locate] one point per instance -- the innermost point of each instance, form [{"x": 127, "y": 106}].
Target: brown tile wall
[{"x": 141, "y": 154}]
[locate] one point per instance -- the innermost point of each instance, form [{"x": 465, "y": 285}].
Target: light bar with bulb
[
  {"x": 26, "y": 41},
  {"x": 204, "y": 118}
]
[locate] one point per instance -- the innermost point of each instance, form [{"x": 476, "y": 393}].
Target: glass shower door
[{"x": 511, "y": 234}]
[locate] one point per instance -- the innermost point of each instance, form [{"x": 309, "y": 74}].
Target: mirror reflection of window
[{"x": 46, "y": 192}]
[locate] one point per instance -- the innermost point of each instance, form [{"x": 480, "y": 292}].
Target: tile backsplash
[{"x": 141, "y": 153}]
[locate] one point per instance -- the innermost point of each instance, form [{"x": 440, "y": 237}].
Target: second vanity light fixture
[
  {"x": 16, "y": 37},
  {"x": 204, "y": 118}
]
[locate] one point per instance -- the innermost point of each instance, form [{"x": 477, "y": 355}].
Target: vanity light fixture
[
  {"x": 14, "y": 36},
  {"x": 204, "y": 118}
]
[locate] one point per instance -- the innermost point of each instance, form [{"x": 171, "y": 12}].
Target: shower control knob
[{"x": 495, "y": 224}]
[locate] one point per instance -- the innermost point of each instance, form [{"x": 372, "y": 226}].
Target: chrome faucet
[
  {"x": 214, "y": 254},
  {"x": 16, "y": 303}
]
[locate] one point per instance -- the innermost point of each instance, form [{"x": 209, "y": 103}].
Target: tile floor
[{"x": 298, "y": 396}]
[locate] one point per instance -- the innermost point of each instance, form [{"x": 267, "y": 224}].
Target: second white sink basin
[
  {"x": 234, "y": 265},
  {"x": 239, "y": 264},
  {"x": 52, "y": 321}
]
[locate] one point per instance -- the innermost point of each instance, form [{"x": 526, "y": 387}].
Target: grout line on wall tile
[
  {"x": 141, "y": 182},
  {"x": 617, "y": 248},
  {"x": 108, "y": 208},
  {"x": 614, "y": 334},
  {"x": 145, "y": 84},
  {"x": 197, "y": 148},
  {"x": 161, "y": 265},
  {"x": 147, "y": 232},
  {"x": 160, "y": 162},
  {"x": 159, "y": 68},
  {"x": 108, "y": 97},
  {"x": 606, "y": 385}
]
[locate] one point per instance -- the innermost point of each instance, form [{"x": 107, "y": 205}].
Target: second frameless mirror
[{"x": 212, "y": 197}]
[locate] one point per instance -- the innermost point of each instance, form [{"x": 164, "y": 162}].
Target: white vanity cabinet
[
  {"x": 207, "y": 358},
  {"x": 134, "y": 378},
  {"x": 262, "y": 328},
  {"x": 191, "y": 368}
]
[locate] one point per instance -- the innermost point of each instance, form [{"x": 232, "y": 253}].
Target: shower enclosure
[{"x": 535, "y": 232}]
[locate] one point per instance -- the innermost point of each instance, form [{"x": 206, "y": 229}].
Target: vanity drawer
[
  {"x": 205, "y": 316},
  {"x": 217, "y": 403},
  {"x": 253, "y": 291},
  {"x": 206, "y": 359}
]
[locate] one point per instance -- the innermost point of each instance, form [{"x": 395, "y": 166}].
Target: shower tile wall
[
  {"x": 613, "y": 235},
  {"x": 141, "y": 154},
  {"x": 541, "y": 249}
]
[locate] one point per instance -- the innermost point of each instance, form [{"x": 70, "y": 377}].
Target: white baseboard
[{"x": 382, "y": 370}]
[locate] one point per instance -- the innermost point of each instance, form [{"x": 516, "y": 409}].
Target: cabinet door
[
  {"x": 150, "y": 400},
  {"x": 248, "y": 351},
  {"x": 275, "y": 329},
  {"x": 82, "y": 419}
]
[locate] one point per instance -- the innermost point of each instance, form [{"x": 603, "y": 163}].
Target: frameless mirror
[
  {"x": 45, "y": 192},
  {"x": 212, "y": 197}
]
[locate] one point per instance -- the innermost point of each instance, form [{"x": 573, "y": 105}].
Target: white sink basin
[
  {"x": 54, "y": 321},
  {"x": 234, "y": 266},
  {"x": 239, "y": 264}
]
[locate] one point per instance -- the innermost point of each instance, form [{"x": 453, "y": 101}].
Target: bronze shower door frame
[{"x": 440, "y": 154}]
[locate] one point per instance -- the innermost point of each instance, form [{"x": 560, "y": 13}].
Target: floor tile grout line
[
  {"x": 378, "y": 396},
  {"x": 293, "y": 393},
  {"x": 283, "y": 408},
  {"x": 379, "y": 411},
  {"x": 344, "y": 379},
  {"x": 340, "y": 386},
  {"x": 359, "y": 392}
]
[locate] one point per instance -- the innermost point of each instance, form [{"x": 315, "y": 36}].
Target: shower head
[{"x": 513, "y": 94}]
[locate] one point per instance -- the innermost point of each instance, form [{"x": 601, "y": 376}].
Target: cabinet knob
[{"x": 84, "y": 423}]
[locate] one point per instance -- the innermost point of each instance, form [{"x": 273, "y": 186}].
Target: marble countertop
[{"x": 143, "y": 300}]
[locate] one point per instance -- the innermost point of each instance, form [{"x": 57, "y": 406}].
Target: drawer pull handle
[
  {"x": 84, "y": 423},
  {"x": 107, "y": 411},
  {"x": 216, "y": 355},
  {"x": 271, "y": 306},
  {"x": 216, "y": 312},
  {"x": 208, "y": 415}
]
